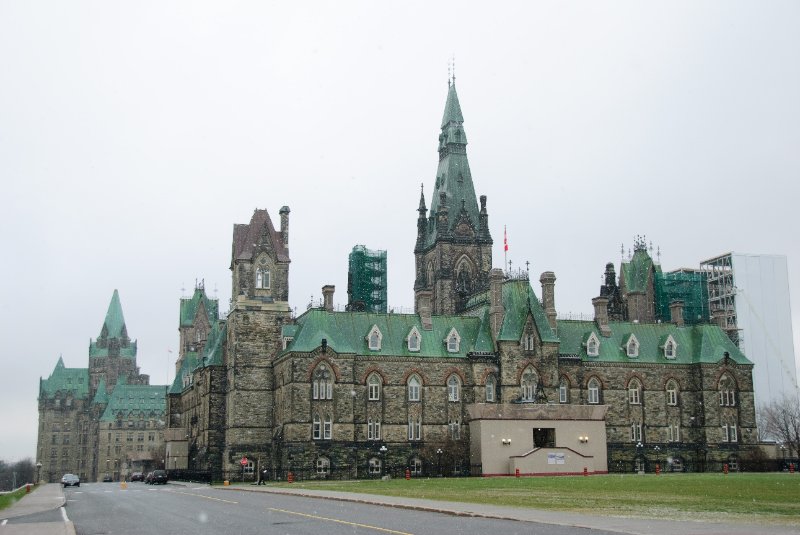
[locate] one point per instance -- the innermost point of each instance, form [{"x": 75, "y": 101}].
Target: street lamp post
[
  {"x": 38, "y": 471},
  {"x": 439, "y": 461},
  {"x": 383, "y": 451}
]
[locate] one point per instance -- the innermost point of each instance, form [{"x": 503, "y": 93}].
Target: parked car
[
  {"x": 137, "y": 476},
  {"x": 148, "y": 478},
  {"x": 107, "y": 479},
  {"x": 71, "y": 480},
  {"x": 159, "y": 476}
]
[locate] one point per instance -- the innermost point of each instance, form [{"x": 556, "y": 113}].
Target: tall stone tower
[
  {"x": 453, "y": 251},
  {"x": 259, "y": 308}
]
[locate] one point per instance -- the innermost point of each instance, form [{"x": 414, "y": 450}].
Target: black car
[
  {"x": 159, "y": 476},
  {"x": 107, "y": 479},
  {"x": 137, "y": 476},
  {"x": 71, "y": 480}
]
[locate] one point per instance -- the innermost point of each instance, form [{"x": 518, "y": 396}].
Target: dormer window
[
  {"x": 453, "y": 341},
  {"x": 414, "y": 339},
  {"x": 374, "y": 339},
  {"x": 527, "y": 342},
  {"x": 592, "y": 346},
  {"x": 632, "y": 347},
  {"x": 670, "y": 348}
]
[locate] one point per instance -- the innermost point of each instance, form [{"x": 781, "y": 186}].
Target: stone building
[
  {"x": 482, "y": 378},
  {"x": 102, "y": 420}
]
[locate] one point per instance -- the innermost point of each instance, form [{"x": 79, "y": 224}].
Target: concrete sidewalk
[
  {"x": 634, "y": 526},
  {"x": 43, "y": 498}
]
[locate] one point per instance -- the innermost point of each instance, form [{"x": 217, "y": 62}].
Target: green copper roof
[
  {"x": 518, "y": 300},
  {"x": 190, "y": 361},
  {"x": 64, "y": 380},
  {"x": 636, "y": 273},
  {"x": 189, "y": 308},
  {"x": 695, "y": 344},
  {"x": 114, "y": 324},
  {"x": 127, "y": 401},
  {"x": 101, "y": 396},
  {"x": 212, "y": 352},
  {"x": 453, "y": 176},
  {"x": 346, "y": 332}
]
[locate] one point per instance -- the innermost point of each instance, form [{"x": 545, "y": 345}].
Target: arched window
[
  {"x": 635, "y": 392},
  {"x": 374, "y": 387},
  {"x": 672, "y": 393},
  {"x": 374, "y": 338},
  {"x": 414, "y": 428},
  {"x": 594, "y": 391},
  {"x": 453, "y": 341},
  {"x": 453, "y": 388},
  {"x": 528, "y": 385},
  {"x": 316, "y": 427},
  {"x": 729, "y": 433},
  {"x": 632, "y": 347},
  {"x": 727, "y": 392},
  {"x": 322, "y": 383},
  {"x": 670, "y": 348},
  {"x": 454, "y": 427},
  {"x": 636, "y": 431},
  {"x": 262, "y": 278},
  {"x": 528, "y": 342},
  {"x": 491, "y": 385},
  {"x": 413, "y": 388},
  {"x": 592, "y": 346}
]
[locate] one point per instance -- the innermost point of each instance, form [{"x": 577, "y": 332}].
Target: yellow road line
[
  {"x": 204, "y": 496},
  {"x": 356, "y": 524}
]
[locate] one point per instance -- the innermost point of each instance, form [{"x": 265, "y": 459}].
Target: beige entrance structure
[{"x": 538, "y": 439}]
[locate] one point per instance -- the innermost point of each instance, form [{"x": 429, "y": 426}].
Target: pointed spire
[
  {"x": 60, "y": 363},
  {"x": 452, "y": 108},
  {"x": 422, "y": 209},
  {"x": 115, "y": 322}
]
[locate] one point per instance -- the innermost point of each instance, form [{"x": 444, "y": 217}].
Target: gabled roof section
[
  {"x": 189, "y": 307},
  {"x": 64, "y": 381},
  {"x": 212, "y": 352},
  {"x": 636, "y": 272},
  {"x": 247, "y": 237},
  {"x": 697, "y": 344},
  {"x": 101, "y": 396},
  {"x": 519, "y": 301},
  {"x": 129, "y": 401},
  {"x": 345, "y": 332}
]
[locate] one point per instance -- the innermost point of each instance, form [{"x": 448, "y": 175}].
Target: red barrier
[
  {"x": 516, "y": 472},
  {"x": 585, "y": 471},
  {"x": 658, "y": 468},
  {"x": 408, "y": 474},
  {"x": 725, "y": 468},
  {"x": 290, "y": 477}
]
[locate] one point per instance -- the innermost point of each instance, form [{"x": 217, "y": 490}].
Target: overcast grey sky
[{"x": 133, "y": 135}]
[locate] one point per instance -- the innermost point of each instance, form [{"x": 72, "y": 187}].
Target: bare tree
[{"x": 780, "y": 420}]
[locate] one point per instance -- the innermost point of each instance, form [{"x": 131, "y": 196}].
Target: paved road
[{"x": 142, "y": 509}]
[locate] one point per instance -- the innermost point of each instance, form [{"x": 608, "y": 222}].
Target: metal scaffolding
[
  {"x": 722, "y": 294},
  {"x": 366, "y": 280}
]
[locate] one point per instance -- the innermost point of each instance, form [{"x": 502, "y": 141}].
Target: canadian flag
[{"x": 505, "y": 239}]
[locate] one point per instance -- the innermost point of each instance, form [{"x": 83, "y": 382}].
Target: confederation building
[{"x": 481, "y": 379}]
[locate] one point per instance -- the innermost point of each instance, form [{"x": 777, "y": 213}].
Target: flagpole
[{"x": 505, "y": 248}]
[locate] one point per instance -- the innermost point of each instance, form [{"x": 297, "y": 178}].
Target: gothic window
[
  {"x": 413, "y": 388},
  {"x": 635, "y": 392},
  {"x": 670, "y": 348},
  {"x": 414, "y": 340},
  {"x": 262, "y": 278},
  {"x": 374, "y": 387},
  {"x": 453, "y": 341},
  {"x": 727, "y": 392},
  {"x": 414, "y": 428},
  {"x": 327, "y": 427},
  {"x": 322, "y": 383},
  {"x": 594, "y": 391},
  {"x": 527, "y": 342},
  {"x": 373, "y": 429},
  {"x": 491, "y": 385},
  {"x": 453, "y": 388},
  {"x": 374, "y": 338},
  {"x": 429, "y": 274},
  {"x": 563, "y": 391},
  {"x": 375, "y": 466},
  {"x": 593, "y": 346},
  {"x": 528, "y": 385},
  {"x": 672, "y": 393},
  {"x": 674, "y": 432},
  {"x": 632, "y": 347}
]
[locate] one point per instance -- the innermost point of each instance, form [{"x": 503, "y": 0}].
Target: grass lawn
[
  {"x": 755, "y": 498},
  {"x": 6, "y": 500}
]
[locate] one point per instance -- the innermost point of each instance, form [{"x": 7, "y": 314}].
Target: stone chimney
[
  {"x": 676, "y": 312},
  {"x": 424, "y": 307},
  {"x": 601, "y": 315},
  {"x": 496, "y": 309},
  {"x": 284, "y": 213},
  {"x": 548, "y": 280},
  {"x": 327, "y": 296}
]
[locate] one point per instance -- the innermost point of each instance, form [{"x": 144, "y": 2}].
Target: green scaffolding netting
[
  {"x": 689, "y": 287},
  {"x": 366, "y": 280}
]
